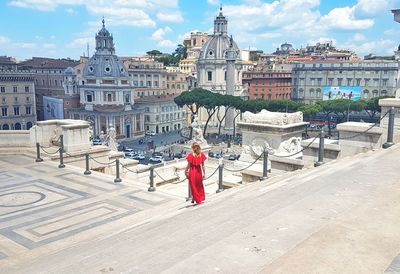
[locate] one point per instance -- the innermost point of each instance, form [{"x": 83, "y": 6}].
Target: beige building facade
[{"x": 17, "y": 100}]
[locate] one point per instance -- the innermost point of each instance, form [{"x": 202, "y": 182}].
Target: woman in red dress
[{"x": 195, "y": 172}]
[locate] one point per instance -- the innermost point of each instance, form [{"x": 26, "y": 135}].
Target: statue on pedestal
[
  {"x": 111, "y": 138},
  {"x": 197, "y": 132}
]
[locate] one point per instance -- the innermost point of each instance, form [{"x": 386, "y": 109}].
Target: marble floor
[{"x": 45, "y": 208}]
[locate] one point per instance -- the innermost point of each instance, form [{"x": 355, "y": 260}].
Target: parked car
[
  {"x": 233, "y": 157},
  {"x": 179, "y": 155},
  {"x": 150, "y": 133},
  {"x": 97, "y": 142},
  {"x": 156, "y": 159},
  {"x": 139, "y": 157}
]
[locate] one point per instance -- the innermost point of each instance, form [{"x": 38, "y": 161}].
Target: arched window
[
  {"x": 6, "y": 127},
  {"x": 29, "y": 125},
  {"x": 366, "y": 93},
  {"x": 109, "y": 97},
  {"x": 17, "y": 126}
]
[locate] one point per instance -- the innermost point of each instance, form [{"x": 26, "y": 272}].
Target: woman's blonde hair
[{"x": 196, "y": 149}]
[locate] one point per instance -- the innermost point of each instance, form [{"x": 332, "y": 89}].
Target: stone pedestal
[
  {"x": 274, "y": 135},
  {"x": 75, "y": 132},
  {"x": 386, "y": 105},
  {"x": 354, "y": 137}
]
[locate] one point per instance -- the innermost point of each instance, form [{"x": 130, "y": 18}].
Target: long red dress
[{"x": 196, "y": 177}]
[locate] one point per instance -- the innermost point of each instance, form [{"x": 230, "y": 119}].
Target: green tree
[
  {"x": 180, "y": 52},
  {"x": 154, "y": 53},
  {"x": 310, "y": 110}
]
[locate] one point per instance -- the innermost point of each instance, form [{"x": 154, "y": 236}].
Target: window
[
  {"x": 339, "y": 81},
  {"x": 149, "y": 83},
  {"x": 384, "y": 82},
  {"x": 358, "y": 80},
  {"x": 109, "y": 97},
  {"x": 319, "y": 81},
  {"x": 89, "y": 98},
  {"x": 4, "y": 112},
  {"x": 3, "y": 99},
  {"x": 27, "y": 99},
  {"x": 127, "y": 99},
  {"x": 55, "y": 82},
  {"x": 312, "y": 81},
  {"x": 15, "y": 89},
  {"x": 26, "y": 88},
  {"x": 349, "y": 81},
  {"x": 330, "y": 82},
  {"x": 3, "y": 89},
  {"x": 28, "y": 110},
  {"x": 209, "y": 75},
  {"x": 156, "y": 83},
  {"x": 16, "y": 111},
  {"x": 366, "y": 81},
  {"x": 15, "y": 99}
]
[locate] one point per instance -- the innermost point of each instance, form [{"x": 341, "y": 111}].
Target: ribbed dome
[
  {"x": 105, "y": 66},
  {"x": 104, "y": 63},
  {"x": 216, "y": 46}
]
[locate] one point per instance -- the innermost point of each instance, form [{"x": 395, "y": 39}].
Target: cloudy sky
[{"x": 62, "y": 28}]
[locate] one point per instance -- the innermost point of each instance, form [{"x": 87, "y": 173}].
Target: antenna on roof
[{"x": 104, "y": 22}]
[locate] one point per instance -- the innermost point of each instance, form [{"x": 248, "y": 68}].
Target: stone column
[{"x": 230, "y": 85}]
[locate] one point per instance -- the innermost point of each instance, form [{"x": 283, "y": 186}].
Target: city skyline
[{"x": 364, "y": 26}]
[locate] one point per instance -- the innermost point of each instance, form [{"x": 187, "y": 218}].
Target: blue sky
[{"x": 62, "y": 28}]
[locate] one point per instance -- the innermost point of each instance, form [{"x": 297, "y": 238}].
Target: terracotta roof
[{"x": 48, "y": 63}]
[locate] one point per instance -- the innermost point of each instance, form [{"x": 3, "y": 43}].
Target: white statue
[
  {"x": 112, "y": 138},
  {"x": 55, "y": 139},
  {"x": 90, "y": 133},
  {"x": 273, "y": 118},
  {"x": 197, "y": 132},
  {"x": 255, "y": 150},
  {"x": 289, "y": 147},
  {"x": 102, "y": 138}
]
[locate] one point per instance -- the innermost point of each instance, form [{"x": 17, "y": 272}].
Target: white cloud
[
  {"x": 160, "y": 33},
  {"x": 70, "y": 11},
  {"x": 213, "y": 2},
  {"x": 4, "y": 40},
  {"x": 175, "y": 17},
  {"x": 379, "y": 47},
  {"x": 343, "y": 18},
  {"x": 81, "y": 42},
  {"x": 166, "y": 44},
  {"x": 358, "y": 37},
  {"x": 26, "y": 45},
  {"x": 49, "y": 46},
  {"x": 373, "y": 7},
  {"x": 136, "y": 13}
]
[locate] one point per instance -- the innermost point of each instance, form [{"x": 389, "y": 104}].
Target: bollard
[
  {"x": 87, "y": 171},
  {"x": 265, "y": 165},
  {"x": 61, "y": 165},
  {"x": 38, "y": 159},
  {"x": 117, "y": 178},
  {"x": 220, "y": 171},
  {"x": 321, "y": 149},
  {"x": 189, "y": 197},
  {"x": 151, "y": 188},
  {"x": 389, "y": 141}
]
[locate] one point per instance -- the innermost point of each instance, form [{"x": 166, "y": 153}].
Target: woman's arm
[
  {"x": 187, "y": 170},
  {"x": 204, "y": 170}
]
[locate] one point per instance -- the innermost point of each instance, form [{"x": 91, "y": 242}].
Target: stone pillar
[
  {"x": 230, "y": 84},
  {"x": 387, "y": 104}
]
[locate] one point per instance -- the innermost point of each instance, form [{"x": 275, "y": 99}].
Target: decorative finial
[
  {"x": 104, "y": 22},
  {"x": 220, "y": 7}
]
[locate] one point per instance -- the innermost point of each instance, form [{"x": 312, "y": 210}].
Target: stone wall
[{"x": 15, "y": 138}]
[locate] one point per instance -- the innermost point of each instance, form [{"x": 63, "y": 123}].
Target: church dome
[
  {"x": 104, "y": 63},
  {"x": 216, "y": 46},
  {"x": 219, "y": 42}
]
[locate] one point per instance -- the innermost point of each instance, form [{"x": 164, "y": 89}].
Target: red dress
[{"x": 196, "y": 177}]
